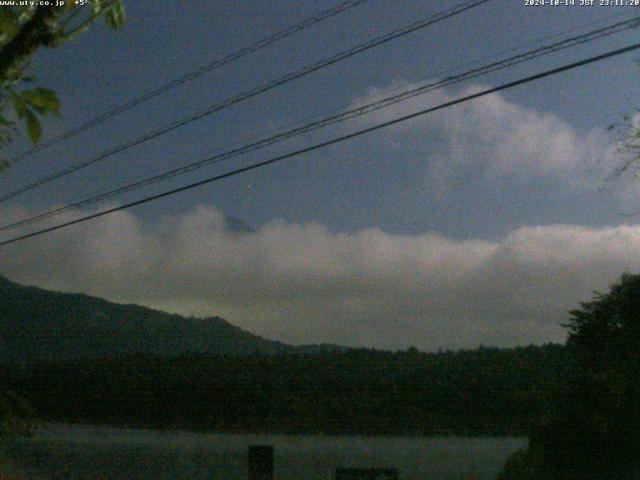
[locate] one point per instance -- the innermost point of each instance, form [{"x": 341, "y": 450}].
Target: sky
[{"x": 481, "y": 224}]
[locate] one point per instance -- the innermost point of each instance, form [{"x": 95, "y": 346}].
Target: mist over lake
[{"x": 92, "y": 452}]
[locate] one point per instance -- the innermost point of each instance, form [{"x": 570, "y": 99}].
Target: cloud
[
  {"x": 303, "y": 283},
  {"x": 492, "y": 138}
]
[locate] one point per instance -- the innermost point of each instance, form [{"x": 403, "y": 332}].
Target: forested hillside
[
  {"x": 485, "y": 391},
  {"x": 37, "y": 325},
  {"x": 78, "y": 358}
]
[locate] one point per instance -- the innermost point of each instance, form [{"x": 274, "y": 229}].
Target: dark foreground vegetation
[
  {"x": 592, "y": 431},
  {"x": 484, "y": 391}
]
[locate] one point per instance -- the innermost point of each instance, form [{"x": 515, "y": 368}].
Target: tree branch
[{"x": 34, "y": 33}]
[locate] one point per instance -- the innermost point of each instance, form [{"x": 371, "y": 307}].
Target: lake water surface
[{"x": 89, "y": 452}]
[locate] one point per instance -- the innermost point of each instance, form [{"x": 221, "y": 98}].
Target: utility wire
[
  {"x": 333, "y": 141},
  {"x": 331, "y": 120},
  {"x": 394, "y": 34},
  {"x": 228, "y": 59}
]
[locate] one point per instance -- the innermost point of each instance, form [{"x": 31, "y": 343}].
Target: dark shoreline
[{"x": 443, "y": 433}]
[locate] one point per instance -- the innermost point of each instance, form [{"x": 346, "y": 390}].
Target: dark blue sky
[
  {"x": 352, "y": 186},
  {"x": 533, "y": 157}
]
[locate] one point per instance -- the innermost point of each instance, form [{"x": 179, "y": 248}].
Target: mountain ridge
[{"x": 38, "y": 325}]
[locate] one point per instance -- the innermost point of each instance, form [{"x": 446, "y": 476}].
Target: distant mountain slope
[
  {"x": 237, "y": 225},
  {"x": 39, "y": 325}
]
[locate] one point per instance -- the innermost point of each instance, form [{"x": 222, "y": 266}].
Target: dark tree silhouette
[{"x": 596, "y": 432}]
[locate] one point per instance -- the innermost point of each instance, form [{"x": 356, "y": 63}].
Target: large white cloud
[
  {"x": 493, "y": 138},
  {"x": 304, "y": 283}
]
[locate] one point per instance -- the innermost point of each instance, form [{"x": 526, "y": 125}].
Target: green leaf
[
  {"x": 42, "y": 99},
  {"x": 8, "y": 24},
  {"x": 4, "y": 121},
  {"x": 19, "y": 105},
  {"x": 34, "y": 128},
  {"x": 116, "y": 15},
  {"x": 97, "y": 6}
]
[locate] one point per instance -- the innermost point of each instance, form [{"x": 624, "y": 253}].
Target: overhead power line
[
  {"x": 327, "y": 143},
  {"x": 228, "y": 59},
  {"x": 334, "y": 119},
  {"x": 380, "y": 40}
]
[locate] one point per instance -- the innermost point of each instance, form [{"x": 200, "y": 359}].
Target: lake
[{"x": 91, "y": 452}]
